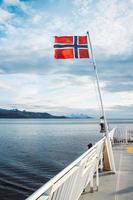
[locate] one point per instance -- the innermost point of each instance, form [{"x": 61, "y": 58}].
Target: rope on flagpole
[
  {"x": 111, "y": 157},
  {"x": 98, "y": 100},
  {"x": 97, "y": 81}
]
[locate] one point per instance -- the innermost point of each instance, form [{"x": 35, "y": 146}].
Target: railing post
[
  {"x": 110, "y": 154},
  {"x": 97, "y": 176},
  {"x": 75, "y": 180},
  {"x": 101, "y": 163},
  {"x": 91, "y": 184},
  {"x": 126, "y": 137}
]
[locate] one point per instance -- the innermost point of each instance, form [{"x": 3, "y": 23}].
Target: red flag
[{"x": 71, "y": 47}]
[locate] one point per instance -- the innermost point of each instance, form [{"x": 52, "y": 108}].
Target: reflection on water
[{"x": 33, "y": 151}]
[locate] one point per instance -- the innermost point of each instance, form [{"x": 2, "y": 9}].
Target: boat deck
[{"x": 117, "y": 186}]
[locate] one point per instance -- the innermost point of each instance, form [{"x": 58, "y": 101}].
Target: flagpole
[
  {"x": 97, "y": 81},
  {"x": 111, "y": 157}
]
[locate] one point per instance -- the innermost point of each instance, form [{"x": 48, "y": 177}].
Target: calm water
[{"x": 33, "y": 151}]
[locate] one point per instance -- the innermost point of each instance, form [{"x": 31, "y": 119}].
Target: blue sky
[{"x": 31, "y": 79}]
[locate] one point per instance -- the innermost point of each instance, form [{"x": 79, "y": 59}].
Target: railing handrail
[{"x": 51, "y": 182}]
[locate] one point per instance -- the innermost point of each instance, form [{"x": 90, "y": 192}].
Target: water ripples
[{"x": 33, "y": 151}]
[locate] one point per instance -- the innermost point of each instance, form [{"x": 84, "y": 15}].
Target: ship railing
[
  {"x": 123, "y": 135},
  {"x": 71, "y": 182},
  {"x": 111, "y": 134}
]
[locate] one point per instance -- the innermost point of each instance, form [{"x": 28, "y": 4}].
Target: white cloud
[
  {"x": 17, "y": 3},
  {"x": 4, "y": 16},
  {"x": 58, "y": 95},
  {"x": 13, "y": 2},
  {"x": 29, "y": 41},
  {"x": 4, "y": 86},
  {"x": 52, "y": 91},
  {"x": 108, "y": 22}
]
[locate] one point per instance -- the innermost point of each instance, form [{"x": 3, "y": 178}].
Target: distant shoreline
[{"x": 18, "y": 114}]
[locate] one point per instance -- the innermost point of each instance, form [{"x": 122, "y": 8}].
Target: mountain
[
  {"x": 79, "y": 116},
  {"x": 15, "y": 113}
]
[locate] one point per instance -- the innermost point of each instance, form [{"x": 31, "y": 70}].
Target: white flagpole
[{"x": 111, "y": 157}]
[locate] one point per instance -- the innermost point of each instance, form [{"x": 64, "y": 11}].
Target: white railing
[
  {"x": 123, "y": 135},
  {"x": 70, "y": 183}
]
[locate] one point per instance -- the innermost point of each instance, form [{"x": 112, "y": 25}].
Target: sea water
[{"x": 32, "y": 151}]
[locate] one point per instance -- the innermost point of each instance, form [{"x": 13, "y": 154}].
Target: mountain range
[{"x": 15, "y": 113}]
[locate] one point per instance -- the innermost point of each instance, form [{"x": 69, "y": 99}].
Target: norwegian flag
[{"x": 71, "y": 47}]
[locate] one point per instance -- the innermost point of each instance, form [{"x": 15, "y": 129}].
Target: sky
[{"x": 31, "y": 79}]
